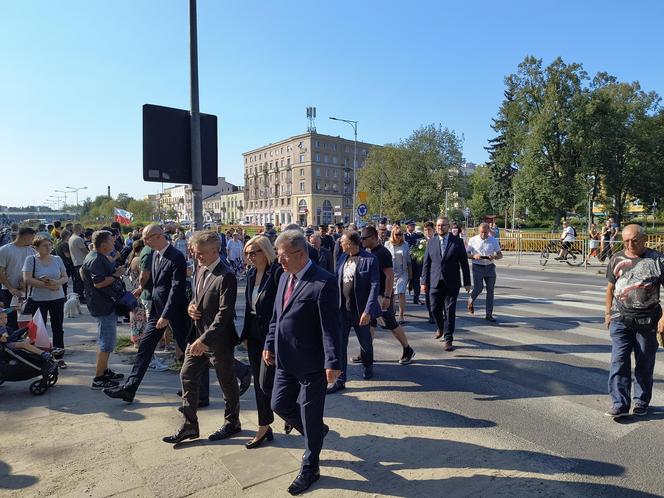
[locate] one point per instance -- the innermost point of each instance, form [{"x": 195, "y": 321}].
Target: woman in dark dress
[{"x": 261, "y": 290}]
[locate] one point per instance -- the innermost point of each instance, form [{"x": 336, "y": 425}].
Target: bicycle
[{"x": 574, "y": 256}]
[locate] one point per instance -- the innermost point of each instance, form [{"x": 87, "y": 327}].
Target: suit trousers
[
  {"x": 300, "y": 401},
  {"x": 443, "y": 306},
  {"x": 194, "y": 367},
  {"x": 148, "y": 343},
  {"x": 204, "y": 386},
  {"x": 255, "y": 350},
  {"x": 415, "y": 279},
  {"x": 363, "y": 332},
  {"x": 484, "y": 274}
]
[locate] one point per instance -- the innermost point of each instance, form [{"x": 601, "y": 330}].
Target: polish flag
[
  {"x": 37, "y": 332},
  {"x": 123, "y": 217}
]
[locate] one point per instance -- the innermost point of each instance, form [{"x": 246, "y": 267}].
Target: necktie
[
  {"x": 156, "y": 260},
  {"x": 200, "y": 280},
  {"x": 289, "y": 289}
]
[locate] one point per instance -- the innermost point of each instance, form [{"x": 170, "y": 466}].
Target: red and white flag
[
  {"x": 123, "y": 217},
  {"x": 37, "y": 332}
]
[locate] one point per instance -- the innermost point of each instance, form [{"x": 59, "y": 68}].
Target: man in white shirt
[
  {"x": 482, "y": 250},
  {"x": 567, "y": 237}
]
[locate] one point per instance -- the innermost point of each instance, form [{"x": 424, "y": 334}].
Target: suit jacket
[
  {"x": 216, "y": 302},
  {"x": 305, "y": 336},
  {"x": 325, "y": 259},
  {"x": 365, "y": 285},
  {"x": 437, "y": 267},
  {"x": 267, "y": 291},
  {"x": 168, "y": 288}
]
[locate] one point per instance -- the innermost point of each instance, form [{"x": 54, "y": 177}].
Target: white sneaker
[{"x": 158, "y": 365}]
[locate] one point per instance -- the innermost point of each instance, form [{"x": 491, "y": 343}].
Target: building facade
[
  {"x": 306, "y": 179},
  {"x": 180, "y": 199},
  {"x": 226, "y": 208}
]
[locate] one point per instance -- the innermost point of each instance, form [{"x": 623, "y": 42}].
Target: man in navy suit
[
  {"x": 169, "y": 304},
  {"x": 304, "y": 341},
  {"x": 444, "y": 256},
  {"x": 358, "y": 281}
]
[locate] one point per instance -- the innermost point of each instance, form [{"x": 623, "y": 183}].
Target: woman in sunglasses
[
  {"x": 399, "y": 249},
  {"x": 262, "y": 280}
]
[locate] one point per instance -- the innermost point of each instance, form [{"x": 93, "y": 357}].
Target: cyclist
[{"x": 566, "y": 238}]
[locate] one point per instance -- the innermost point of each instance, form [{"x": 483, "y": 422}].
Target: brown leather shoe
[
  {"x": 438, "y": 334},
  {"x": 471, "y": 307},
  {"x": 448, "y": 346}
]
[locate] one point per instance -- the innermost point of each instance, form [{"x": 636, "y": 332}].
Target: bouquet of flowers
[{"x": 417, "y": 251}]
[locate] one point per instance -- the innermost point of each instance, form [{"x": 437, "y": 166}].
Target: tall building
[
  {"x": 226, "y": 208},
  {"x": 180, "y": 199},
  {"x": 306, "y": 179}
]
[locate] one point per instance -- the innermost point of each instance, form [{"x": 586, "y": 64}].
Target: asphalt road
[{"x": 538, "y": 376}]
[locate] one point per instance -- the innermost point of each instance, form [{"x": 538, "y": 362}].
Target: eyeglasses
[{"x": 251, "y": 254}]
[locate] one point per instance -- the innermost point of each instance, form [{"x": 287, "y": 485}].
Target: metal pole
[
  {"x": 355, "y": 170},
  {"x": 196, "y": 161},
  {"x": 447, "y": 191},
  {"x": 513, "y": 210},
  {"x": 381, "y": 189}
]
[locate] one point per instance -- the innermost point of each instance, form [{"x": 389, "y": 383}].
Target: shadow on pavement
[
  {"x": 18, "y": 481},
  {"x": 414, "y": 466}
]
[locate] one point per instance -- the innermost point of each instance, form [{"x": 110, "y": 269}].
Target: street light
[
  {"x": 58, "y": 199},
  {"x": 354, "y": 125},
  {"x": 76, "y": 189},
  {"x": 65, "y": 196}
]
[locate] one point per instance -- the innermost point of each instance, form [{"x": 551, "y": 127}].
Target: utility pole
[
  {"x": 447, "y": 191},
  {"x": 196, "y": 161}
]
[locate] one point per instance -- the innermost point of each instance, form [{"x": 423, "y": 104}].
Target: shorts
[
  {"x": 389, "y": 321},
  {"x": 567, "y": 245},
  {"x": 107, "y": 329}
]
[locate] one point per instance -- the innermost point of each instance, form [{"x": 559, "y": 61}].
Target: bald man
[
  {"x": 168, "y": 307},
  {"x": 634, "y": 318}
]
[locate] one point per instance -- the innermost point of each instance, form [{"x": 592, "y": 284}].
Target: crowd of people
[{"x": 304, "y": 291}]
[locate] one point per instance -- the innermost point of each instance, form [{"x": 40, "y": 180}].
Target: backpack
[{"x": 574, "y": 231}]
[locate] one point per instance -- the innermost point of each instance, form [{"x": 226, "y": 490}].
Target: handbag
[
  {"x": 30, "y": 307},
  {"x": 123, "y": 300}
]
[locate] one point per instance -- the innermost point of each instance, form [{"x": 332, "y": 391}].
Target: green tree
[
  {"x": 414, "y": 174},
  {"x": 481, "y": 184}
]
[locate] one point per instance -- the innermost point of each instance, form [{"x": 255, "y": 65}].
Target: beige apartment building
[
  {"x": 306, "y": 179},
  {"x": 226, "y": 208}
]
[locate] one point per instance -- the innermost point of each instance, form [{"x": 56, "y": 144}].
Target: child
[{"x": 49, "y": 363}]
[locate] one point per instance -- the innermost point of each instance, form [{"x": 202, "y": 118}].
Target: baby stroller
[{"x": 21, "y": 365}]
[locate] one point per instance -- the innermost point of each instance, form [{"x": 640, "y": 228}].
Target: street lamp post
[
  {"x": 58, "y": 199},
  {"x": 354, "y": 125},
  {"x": 76, "y": 189},
  {"x": 65, "y": 196}
]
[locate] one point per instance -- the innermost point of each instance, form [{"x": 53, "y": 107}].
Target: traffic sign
[
  {"x": 466, "y": 212},
  {"x": 375, "y": 217},
  {"x": 362, "y": 209}
]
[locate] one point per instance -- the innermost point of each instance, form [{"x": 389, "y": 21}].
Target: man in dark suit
[
  {"x": 304, "y": 341},
  {"x": 169, "y": 273},
  {"x": 324, "y": 255},
  {"x": 358, "y": 281},
  {"x": 326, "y": 239},
  {"x": 444, "y": 256},
  {"x": 413, "y": 239},
  {"x": 213, "y": 338}
]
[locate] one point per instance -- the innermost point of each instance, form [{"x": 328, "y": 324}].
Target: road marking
[
  {"x": 597, "y": 293},
  {"x": 555, "y": 302},
  {"x": 550, "y": 282}
]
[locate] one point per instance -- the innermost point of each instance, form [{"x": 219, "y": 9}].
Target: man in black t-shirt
[
  {"x": 385, "y": 299},
  {"x": 634, "y": 319}
]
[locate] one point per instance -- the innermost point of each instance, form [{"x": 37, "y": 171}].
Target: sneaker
[
  {"x": 158, "y": 365},
  {"x": 58, "y": 353},
  {"x": 111, "y": 375},
  {"x": 102, "y": 383},
  {"x": 616, "y": 412},
  {"x": 408, "y": 355},
  {"x": 357, "y": 359},
  {"x": 640, "y": 410}
]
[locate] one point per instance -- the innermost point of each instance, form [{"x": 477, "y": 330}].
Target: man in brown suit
[{"x": 212, "y": 339}]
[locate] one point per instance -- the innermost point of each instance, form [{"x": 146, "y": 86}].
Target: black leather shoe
[
  {"x": 368, "y": 372},
  {"x": 245, "y": 382},
  {"x": 224, "y": 432},
  {"x": 337, "y": 386},
  {"x": 179, "y": 393},
  {"x": 303, "y": 481},
  {"x": 489, "y": 318},
  {"x": 269, "y": 435},
  {"x": 187, "y": 431},
  {"x": 119, "y": 393}
]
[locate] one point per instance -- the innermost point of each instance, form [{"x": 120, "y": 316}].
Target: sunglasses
[{"x": 398, "y": 235}]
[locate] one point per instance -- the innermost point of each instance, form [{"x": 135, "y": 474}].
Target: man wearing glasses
[
  {"x": 444, "y": 256},
  {"x": 304, "y": 342},
  {"x": 168, "y": 304}
]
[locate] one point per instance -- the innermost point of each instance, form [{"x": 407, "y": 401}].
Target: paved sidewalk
[{"x": 412, "y": 431}]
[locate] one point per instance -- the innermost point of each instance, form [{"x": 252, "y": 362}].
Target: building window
[
  {"x": 288, "y": 161},
  {"x": 301, "y": 186},
  {"x": 326, "y": 158},
  {"x": 334, "y": 159},
  {"x": 318, "y": 172},
  {"x": 317, "y": 143},
  {"x": 327, "y": 172},
  {"x": 317, "y": 185},
  {"x": 335, "y": 172},
  {"x": 335, "y": 187},
  {"x": 301, "y": 171},
  {"x": 301, "y": 158},
  {"x": 317, "y": 157},
  {"x": 324, "y": 145},
  {"x": 288, "y": 201}
]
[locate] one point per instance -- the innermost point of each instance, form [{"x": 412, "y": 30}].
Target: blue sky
[{"x": 74, "y": 74}]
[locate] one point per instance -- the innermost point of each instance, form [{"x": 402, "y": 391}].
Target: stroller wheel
[
  {"x": 52, "y": 379},
  {"x": 38, "y": 387}
]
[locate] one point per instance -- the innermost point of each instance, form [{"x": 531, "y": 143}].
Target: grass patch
[{"x": 121, "y": 342}]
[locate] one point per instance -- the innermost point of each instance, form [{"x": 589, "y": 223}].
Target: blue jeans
[
  {"x": 644, "y": 344},
  {"x": 107, "y": 328}
]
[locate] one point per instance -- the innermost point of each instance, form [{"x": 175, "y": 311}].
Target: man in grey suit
[{"x": 212, "y": 338}]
